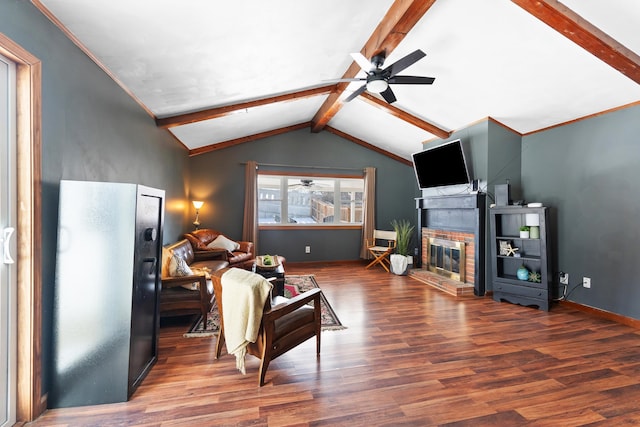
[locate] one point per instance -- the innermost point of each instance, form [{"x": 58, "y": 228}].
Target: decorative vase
[
  {"x": 534, "y": 232},
  {"x": 522, "y": 273},
  {"x": 399, "y": 264}
]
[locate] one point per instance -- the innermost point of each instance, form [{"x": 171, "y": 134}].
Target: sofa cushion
[
  {"x": 199, "y": 239},
  {"x": 222, "y": 242},
  {"x": 183, "y": 249},
  {"x": 211, "y": 265}
]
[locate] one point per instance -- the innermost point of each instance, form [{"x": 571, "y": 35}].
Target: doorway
[
  {"x": 8, "y": 271},
  {"x": 28, "y": 400}
]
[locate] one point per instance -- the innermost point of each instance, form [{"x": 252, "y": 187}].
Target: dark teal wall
[
  {"x": 218, "y": 179},
  {"x": 91, "y": 130},
  {"x": 504, "y": 159},
  {"x": 492, "y": 154},
  {"x": 588, "y": 173}
]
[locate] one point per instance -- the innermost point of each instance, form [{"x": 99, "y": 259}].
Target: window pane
[
  {"x": 351, "y": 194},
  {"x": 309, "y": 200},
  {"x": 269, "y": 200}
]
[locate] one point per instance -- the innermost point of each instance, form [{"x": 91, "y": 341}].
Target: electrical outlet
[
  {"x": 564, "y": 278},
  {"x": 307, "y": 249},
  {"x": 586, "y": 282}
]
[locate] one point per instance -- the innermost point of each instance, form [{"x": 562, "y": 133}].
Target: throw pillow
[
  {"x": 178, "y": 267},
  {"x": 222, "y": 242},
  {"x": 166, "y": 260}
]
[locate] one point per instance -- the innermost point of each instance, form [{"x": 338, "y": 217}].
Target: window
[{"x": 305, "y": 200}]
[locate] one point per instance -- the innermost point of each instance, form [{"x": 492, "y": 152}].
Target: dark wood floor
[{"x": 411, "y": 356}]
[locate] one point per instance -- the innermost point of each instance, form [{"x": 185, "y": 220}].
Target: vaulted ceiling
[{"x": 216, "y": 74}]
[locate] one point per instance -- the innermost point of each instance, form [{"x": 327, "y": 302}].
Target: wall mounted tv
[{"x": 441, "y": 165}]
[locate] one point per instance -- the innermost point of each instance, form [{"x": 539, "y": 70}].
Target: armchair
[
  {"x": 178, "y": 295},
  {"x": 202, "y": 241},
  {"x": 283, "y": 327}
]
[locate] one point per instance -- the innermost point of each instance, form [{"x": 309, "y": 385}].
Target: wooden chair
[
  {"x": 283, "y": 327},
  {"x": 175, "y": 300},
  {"x": 381, "y": 246}
]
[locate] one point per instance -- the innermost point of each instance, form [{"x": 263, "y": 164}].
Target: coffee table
[{"x": 277, "y": 273}]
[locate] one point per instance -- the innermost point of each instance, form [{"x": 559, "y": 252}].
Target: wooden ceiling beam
[
  {"x": 214, "y": 113},
  {"x": 584, "y": 34},
  {"x": 249, "y": 138},
  {"x": 369, "y": 146},
  {"x": 397, "y": 22},
  {"x": 403, "y": 115}
]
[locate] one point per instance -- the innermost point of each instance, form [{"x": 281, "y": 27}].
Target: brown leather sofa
[
  {"x": 178, "y": 296},
  {"x": 243, "y": 257}
]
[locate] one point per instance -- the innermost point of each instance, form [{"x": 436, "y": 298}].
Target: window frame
[{"x": 285, "y": 204}]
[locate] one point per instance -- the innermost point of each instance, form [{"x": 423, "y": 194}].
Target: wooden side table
[{"x": 268, "y": 273}]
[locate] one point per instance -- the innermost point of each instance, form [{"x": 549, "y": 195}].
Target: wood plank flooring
[{"x": 411, "y": 356}]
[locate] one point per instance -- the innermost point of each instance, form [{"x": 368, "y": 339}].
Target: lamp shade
[
  {"x": 532, "y": 219},
  {"x": 197, "y": 204}
]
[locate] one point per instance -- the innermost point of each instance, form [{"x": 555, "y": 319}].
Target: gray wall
[
  {"x": 91, "y": 130},
  {"x": 588, "y": 173},
  {"x": 218, "y": 179}
]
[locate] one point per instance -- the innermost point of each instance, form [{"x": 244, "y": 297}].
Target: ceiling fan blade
[
  {"x": 362, "y": 62},
  {"x": 356, "y": 93},
  {"x": 411, "y": 80},
  {"x": 388, "y": 95},
  {"x": 405, "y": 62},
  {"x": 354, "y": 79}
]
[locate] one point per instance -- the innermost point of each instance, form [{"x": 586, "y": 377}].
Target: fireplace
[
  {"x": 452, "y": 243},
  {"x": 451, "y": 257},
  {"x": 446, "y": 258}
]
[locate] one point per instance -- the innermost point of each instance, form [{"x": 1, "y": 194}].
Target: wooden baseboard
[
  {"x": 323, "y": 263},
  {"x": 629, "y": 321}
]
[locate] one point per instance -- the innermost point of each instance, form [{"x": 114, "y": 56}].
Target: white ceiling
[{"x": 490, "y": 58}]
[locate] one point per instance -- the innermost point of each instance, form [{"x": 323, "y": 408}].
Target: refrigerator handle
[
  {"x": 153, "y": 261},
  {"x": 6, "y": 248}
]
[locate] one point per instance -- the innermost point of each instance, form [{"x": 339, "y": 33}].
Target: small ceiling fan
[
  {"x": 379, "y": 79},
  {"x": 303, "y": 183},
  {"x": 307, "y": 184}
]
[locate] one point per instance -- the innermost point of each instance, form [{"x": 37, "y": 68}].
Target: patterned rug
[{"x": 293, "y": 285}]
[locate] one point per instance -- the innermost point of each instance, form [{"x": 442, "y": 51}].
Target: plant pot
[
  {"x": 399, "y": 264},
  {"x": 524, "y": 234}
]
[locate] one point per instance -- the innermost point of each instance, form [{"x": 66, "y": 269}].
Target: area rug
[{"x": 293, "y": 285}]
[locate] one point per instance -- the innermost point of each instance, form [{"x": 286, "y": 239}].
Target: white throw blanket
[{"x": 243, "y": 297}]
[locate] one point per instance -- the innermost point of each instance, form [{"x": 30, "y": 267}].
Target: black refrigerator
[{"x": 107, "y": 288}]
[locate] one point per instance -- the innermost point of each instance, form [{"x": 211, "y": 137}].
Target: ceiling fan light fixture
[{"x": 377, "y": 85}]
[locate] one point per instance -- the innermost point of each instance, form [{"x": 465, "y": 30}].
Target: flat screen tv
[{"x": 441, "y": 165}]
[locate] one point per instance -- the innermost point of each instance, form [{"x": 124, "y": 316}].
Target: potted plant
[
  {"x": 404, "y": 233},
  {"x": 524, "y": 232}
]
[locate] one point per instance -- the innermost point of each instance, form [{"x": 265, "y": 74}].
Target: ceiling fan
[
  {"x": 303, "y": 183},
  {"x": 379, "y": 79},
  {"x": 307, "y": 184}
]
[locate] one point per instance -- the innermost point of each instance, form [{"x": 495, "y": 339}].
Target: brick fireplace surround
[
  {"x": 457, "y": 218},
  {"x": 466, "y": 285}
]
